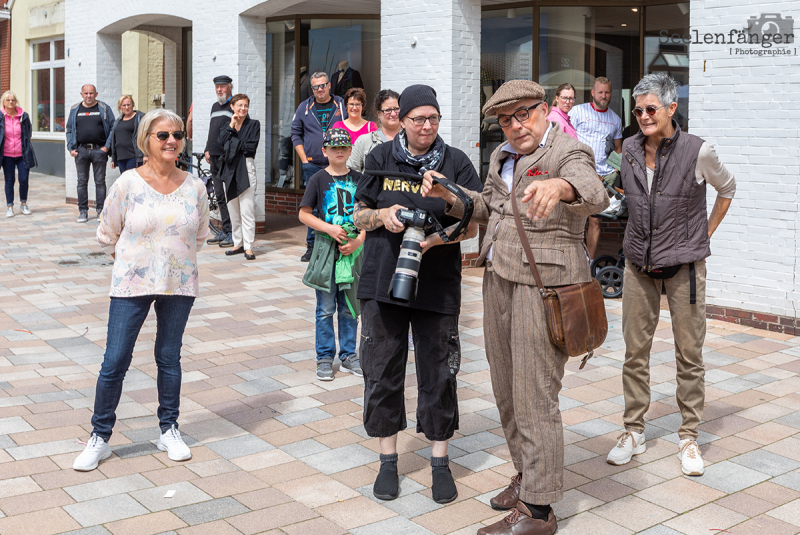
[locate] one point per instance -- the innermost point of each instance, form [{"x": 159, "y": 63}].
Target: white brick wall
[
  {"x": 446, "y": 56},
  {"x": 747, "y": 107}
]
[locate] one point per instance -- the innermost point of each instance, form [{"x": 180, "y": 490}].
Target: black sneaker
[
  {"x": 83, "y": 216},
  {"x": 227, "y": 242},
  {"x": 307, "y": 255}
]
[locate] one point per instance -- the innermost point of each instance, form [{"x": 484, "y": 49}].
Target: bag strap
[{"x": 526, "y": 244}]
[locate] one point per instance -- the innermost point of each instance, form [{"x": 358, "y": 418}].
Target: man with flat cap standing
[
  {"x": 221, "y": 114},
  {"x": 554, "y": 174}
]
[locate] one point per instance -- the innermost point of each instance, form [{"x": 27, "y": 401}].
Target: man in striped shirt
[{"x": 599, "y": 127}]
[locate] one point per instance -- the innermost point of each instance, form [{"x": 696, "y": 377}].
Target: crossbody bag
[{"x": 576, "y": 314}]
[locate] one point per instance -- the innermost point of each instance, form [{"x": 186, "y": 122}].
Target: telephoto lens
[{"x": 404, "y": 281}]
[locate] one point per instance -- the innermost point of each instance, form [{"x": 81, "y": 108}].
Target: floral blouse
[{"x": 155, "y": 236}]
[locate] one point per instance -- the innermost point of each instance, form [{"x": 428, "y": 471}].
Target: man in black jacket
[{"x": 221, "y": 114}]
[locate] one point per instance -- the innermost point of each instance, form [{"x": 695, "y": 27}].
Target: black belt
[{"x": 91, "y": 146}]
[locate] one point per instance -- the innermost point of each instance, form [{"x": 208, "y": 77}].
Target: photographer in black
[{"x": 433, "y": 314}]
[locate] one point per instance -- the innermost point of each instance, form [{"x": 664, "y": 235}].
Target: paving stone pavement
[{"x": 276, "y": 451}]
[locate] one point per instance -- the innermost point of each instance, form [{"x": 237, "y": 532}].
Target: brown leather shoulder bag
[{"x": 576, "y": 314}]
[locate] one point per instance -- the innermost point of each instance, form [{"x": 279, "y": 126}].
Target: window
[{"x": 47, "y": 85}]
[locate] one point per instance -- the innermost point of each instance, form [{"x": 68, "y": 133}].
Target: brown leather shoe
[
  {"x": 508, "y": 497},
  {"x": 520, "y": 522}
]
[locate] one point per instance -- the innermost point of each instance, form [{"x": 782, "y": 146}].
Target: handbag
[{"x": 576, "y": 314}]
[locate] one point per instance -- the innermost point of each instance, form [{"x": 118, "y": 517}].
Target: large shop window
[
  {"x": 580, "y": 43},
  {"x": 506, "y": 54},
  {"x": 348, "y": 50},
  {"x": 47, "y": 85}
]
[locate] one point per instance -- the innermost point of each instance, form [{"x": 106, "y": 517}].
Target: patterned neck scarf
[{"x": 432, "y": 160}]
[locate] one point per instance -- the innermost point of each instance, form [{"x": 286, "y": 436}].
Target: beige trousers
[
  {"x": 243, "y": 211},
  {"x": 526, "y": 372},
  {"x": 641, "y": 301}
]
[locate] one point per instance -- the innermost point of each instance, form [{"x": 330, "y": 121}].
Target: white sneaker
[
  {"x": 95, "y": 451},
  {"x": 25, "y": 209},
  {"x": 691, "y": 461},
  {"x": 173, "y": 444},
  {"x": 628, "y": 444},
  {"x": 10, "y": 211}
]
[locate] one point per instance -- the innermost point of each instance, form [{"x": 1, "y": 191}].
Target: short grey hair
[
  {"x": 660, "y": 84},
  {"x": 320, "y": 74},
  {"x": 146, "y": 124}
]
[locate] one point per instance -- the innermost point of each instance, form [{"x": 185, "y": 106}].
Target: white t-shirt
[
  {"x": 593, "y": 127},
  {"x": 710, "y": 170}
]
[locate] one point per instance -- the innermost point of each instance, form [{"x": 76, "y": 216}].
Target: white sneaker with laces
[
  {"x": 691, "y": 461},
  {"x": 95, "y": 451},
  {"x": 171, "y": 442},
  {"x": 629, "y": 444},
  {"x": 25, "y": 209}
]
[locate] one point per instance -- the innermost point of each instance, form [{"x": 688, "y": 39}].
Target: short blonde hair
[
  {"x": 151, "y": 117},
  {"x": 7, "y": 94},
  {"x": 122, "y": 99},
  {"x": 601, "y": 80}
]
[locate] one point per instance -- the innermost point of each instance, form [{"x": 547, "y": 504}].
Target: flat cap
[
  {"x": 510, "y": 93},
  {"x": 223, "y": 79}
]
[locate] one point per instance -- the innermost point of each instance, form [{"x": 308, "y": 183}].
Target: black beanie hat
[{"x": 415, "y": 96}]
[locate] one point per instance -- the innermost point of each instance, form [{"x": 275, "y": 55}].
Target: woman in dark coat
[
  {"x": 240, "y": 141},
  {"x": 16, "y": 151},
  {"x": 125, "y": 153}
]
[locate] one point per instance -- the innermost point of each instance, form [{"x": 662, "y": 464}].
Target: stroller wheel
[
  {"x": 602, "y": 261},
  {"x": 610, "y": 279}
]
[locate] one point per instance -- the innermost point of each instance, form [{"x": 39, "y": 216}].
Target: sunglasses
[
  {"x": 651, "y": 110},
  {"x": 163, "y": 136},
  {"x": 319, "y": 86}
]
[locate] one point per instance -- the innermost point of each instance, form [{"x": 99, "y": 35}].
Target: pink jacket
[
  {"x": 558, "y": 116},
  {"x": 12, "y": 142}
]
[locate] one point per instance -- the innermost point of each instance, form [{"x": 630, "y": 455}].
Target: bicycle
[{"x": 183, "y": 161}]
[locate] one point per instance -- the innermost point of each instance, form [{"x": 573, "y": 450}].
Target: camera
[
  {"x": 771, "y": 23},
  {"x": 417, "y": 222},
  {"x": 406, "y": 273}
]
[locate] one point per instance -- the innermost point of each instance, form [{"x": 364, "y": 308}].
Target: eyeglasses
[
  {"x": 567, "y": 99},
  {"x": 355, "y": 105},
  {"x": 520, "y": 115},
  {"x": 319, "y": 86},
  {"x": 163, "y": 136},
  {"x": 651, "y": 110},
  {"x": 419, "y": 121},
  {"x": 390, "y": 111}
]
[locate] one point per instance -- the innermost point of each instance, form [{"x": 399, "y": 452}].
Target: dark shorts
[{"x": 384, "y": 354}]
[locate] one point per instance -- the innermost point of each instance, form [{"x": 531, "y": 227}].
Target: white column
[{"x": 438, "y": 44}]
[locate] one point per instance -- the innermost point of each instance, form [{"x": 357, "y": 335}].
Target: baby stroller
[{"x": 606, "y": 269}]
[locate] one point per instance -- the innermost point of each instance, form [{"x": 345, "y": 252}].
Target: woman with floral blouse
[{"x": 155, "y": 219}]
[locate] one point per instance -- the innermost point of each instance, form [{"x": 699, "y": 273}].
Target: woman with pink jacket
[{"x": 16, "y": 151}]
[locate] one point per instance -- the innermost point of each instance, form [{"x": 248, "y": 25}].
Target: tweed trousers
[
  {"x": 640, "y": 309},
  {"x": 526, "y": 371}
]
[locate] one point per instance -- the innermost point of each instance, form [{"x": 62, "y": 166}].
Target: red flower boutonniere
[{"x": 535, "y": 172}]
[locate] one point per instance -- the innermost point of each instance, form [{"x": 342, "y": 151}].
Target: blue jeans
[
  {"x": 309, "y": 169},
  {"x": 9, "y": 165},
  {"x": 125, "y": 318},
  {"x": 327, "y": 304},
  {"x": 124, "y": 165}
]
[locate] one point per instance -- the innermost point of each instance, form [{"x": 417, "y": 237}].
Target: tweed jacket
[{"x": 556, "y": 241}]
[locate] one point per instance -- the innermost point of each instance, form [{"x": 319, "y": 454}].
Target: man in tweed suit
[{"x": 555, "y": 175}]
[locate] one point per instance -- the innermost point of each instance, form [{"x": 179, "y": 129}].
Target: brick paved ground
[{"x": 276, "y": 451}]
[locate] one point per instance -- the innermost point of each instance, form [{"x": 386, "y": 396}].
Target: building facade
[{"x": 740, "y": 97}]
